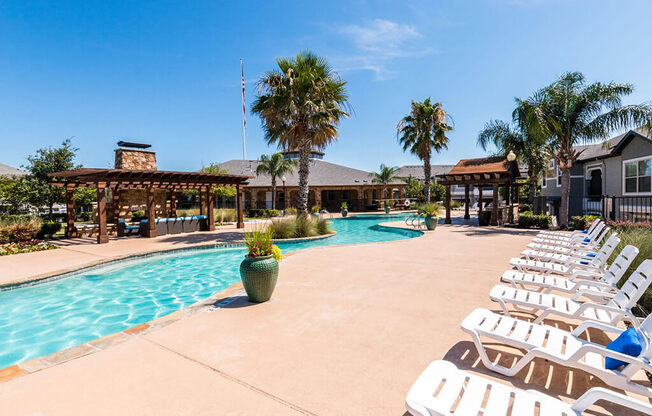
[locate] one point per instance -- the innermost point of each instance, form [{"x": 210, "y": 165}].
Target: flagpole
[{"x": 244, "y": 122}]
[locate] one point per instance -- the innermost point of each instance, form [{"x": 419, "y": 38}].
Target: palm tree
[
  {"x": 275, "y": 166},
  {"x": 422, "y": 131},
  {"x": 385, "y": 175},
  {"x": 301, "y": 104},
  {"x": 517, "y": 138},
  {"x": 571, "y": 112}
]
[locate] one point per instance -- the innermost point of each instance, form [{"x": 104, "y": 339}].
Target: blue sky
[{"x": 168, "y": 73}]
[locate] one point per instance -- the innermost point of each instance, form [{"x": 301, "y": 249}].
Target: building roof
[
  {"x": 493, "y": 164},
  {"x": 608, "y": 148},
  {"x": 145, "y": 178},
  {"x": 416, "y": 171},
  {"x": 321, "y": 174},
  {"x": 6, "y": 170}
]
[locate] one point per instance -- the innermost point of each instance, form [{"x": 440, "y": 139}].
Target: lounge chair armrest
[
  {"x": 597, "y": 325},
  {"x": 603, "y": 351},
  {"x": 595, "y": 283},
  {"x": 584, "y": 306},
  {"x": 578, "y": 274},
  {"x": 598, "y": 393}
]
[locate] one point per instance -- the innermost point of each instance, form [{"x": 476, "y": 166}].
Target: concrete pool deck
[{"x": 348, "y": 330}]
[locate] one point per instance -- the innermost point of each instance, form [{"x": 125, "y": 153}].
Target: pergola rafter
[{"x": 122, "y": 179}]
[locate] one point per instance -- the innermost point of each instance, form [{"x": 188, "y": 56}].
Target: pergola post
[
  {"x": 210, "y": 212},
  {"x": 508, "y": 202},
  {"x": 480, "y": 203},
  {"x": 466, "y": 202},
  {"x": 102, "y": 235},
  {"x": 238, "y": 202},
  {"x": 116, "y": 204},
  {"x": 173, "y": 204},
  {"x": 494, "y": 211},
  {"x": 448, "y": 204},
  {"x": 151, "y": 213},
  {"x": 202, "y": 201},
  {"x": 71, "y": 231}
]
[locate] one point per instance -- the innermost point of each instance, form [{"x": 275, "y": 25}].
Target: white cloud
[{"x": 379, "y": 42}]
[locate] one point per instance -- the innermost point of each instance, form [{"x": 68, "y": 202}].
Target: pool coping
[{"x": 213, "y": 302}]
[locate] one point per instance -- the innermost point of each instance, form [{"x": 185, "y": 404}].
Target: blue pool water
[{"x": 44, "y": 318}]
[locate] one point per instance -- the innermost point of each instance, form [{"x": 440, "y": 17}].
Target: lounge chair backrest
[
  {"x": 593, "y": 225},
  {"x": 619, "y": 266},
  {"x": 645, "y": 328},
  {"x": 602, "y": 232},
  {"x": 634, "y": 287},
  {"x": 605, "y": 251}
]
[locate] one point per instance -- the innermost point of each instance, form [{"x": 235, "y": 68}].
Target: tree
[
  {"x": 413, "y": 188},
  {"x": 224, "y": 191},
  {"x": 300, "y": 105},
  {"x": 14, "y": 193},
  {"x": 275, "y": 166},
  {"x": 438, "y": 191},
  {"x": 517, "y": 138},
  {"x": 570, "y": 112},
  {"x": 422, "y": 131},
  {"x": 49, "y": 160},
  {"x": 83, "y": 196},
  {"x": 385, "y": 175}
]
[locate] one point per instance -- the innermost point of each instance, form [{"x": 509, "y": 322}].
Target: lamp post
[
  {"x": 511, "y": 157},
  {"x": 285, "y": 196}
]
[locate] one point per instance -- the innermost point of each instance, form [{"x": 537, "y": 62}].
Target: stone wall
[
  {"x": 132, "y": 159},
  {"x": 136, "y": 199}
]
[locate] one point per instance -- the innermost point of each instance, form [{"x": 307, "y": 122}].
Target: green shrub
[
  {"x": 23, "y": 231},
  {"x": 582, "y": 222},
  {"x": 284, "y": 228},
  {"x": 138, "y": 215},
  {"x": 323, "y": 226},
  {"x": 344, "y": 205},
  {"x": 256, "y": 213},
  {"x": 223, "y": 215},
  {"x": 291, "y": 211},
  {"x": 455, "y": 204},
  {"x": 315, "y": 209},
  {"x": 305, "y": 226},
  {"x": 528, "y": 220},
  {"x": 48, "y": 229},
  {"x": 17, "y": 219},
  {"x": 273, "y": 213},
  {"x": 85, "y": 215},
  {"x": 524, "y": 207}
]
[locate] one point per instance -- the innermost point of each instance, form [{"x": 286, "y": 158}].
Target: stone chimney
[{"x": 133, "y": 156}]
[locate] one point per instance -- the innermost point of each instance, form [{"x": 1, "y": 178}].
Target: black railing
[{"x": 619, "y": 208}]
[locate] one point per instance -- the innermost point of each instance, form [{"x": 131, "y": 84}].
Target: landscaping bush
[
  {"x": 17, "y": 219},
  {"x": 22, "y": 231},
  {"x": 48, "y": 229},
  {"x": 639, "y": 235},
  {"x": 284, "y": 228},
  {"x": 291, "y": 211},
  {"x": 305, "y": 226},
  {"x": 583, "y": 221},
  {"x": 455, "y": 204},
  {"x": 85, "y": 215},
  {"x": 224, "y": 215},
  {"x": 138, "y": 215},
  {"x": 256, "y": 213},
  {"x": 273, "y": 213},
  {"x": 323, "y": 226},
  {"x": 529, "y": 220},
  {"x": 24, "y": 247},
  {"x": 315, "y": 209},
  {"x": 298, "y": 227}
]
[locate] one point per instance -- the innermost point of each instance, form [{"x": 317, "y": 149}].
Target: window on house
[
  {"x": 558, "y": 177},
  {"x": 544, "y": 181},
  {"x": 638, "y": 176},
  {"x": 551, "y": 164}
]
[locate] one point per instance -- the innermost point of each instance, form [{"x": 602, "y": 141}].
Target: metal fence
[{"x": 619, "y": 208}]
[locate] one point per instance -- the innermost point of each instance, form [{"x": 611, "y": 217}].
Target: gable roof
[
  {"x": 493, "y": 164},
  {"x": 609, "y": 148},
  {"x": 321, "y": 174},
  {"x": 416, "y": 171},
  {"x": 6, "y": 170}
]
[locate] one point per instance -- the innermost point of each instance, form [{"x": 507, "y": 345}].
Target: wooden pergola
[
  {"x": 150, "y": 180},
  {"x": 488, "y": 171}
]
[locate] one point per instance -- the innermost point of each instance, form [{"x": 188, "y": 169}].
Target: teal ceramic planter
[
  {"x": 431, "y": 222},
  {"x": 345, "y": 212},
  {"x": 387, "y": 209},
  {"x": 259, "y": 275}
]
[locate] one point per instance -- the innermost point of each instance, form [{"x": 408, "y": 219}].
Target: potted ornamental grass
[
  {"x": 430, "y": 211},
  {"x": 388, "y": 207},
  {"x": 259, "y": 269},
  {"x": 344, "y": 209},
  {"x": 315, "y": 211}
]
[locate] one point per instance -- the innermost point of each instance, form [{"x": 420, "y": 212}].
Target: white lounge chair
[
  {"x": 617, "y": 309},
  {"x": 562, "y": 347},
  {"x": 579, "y": 280},
  {"x": 590, "y": 241},
  {"x": 583, "y": 255},
  {"x": 444, "y": 390},
  {"x": 594, "y": 224},
  {"x": 566, "y": 248},
  {"x": 596, "y": 264},
  {"x": 574, "y": 236}
]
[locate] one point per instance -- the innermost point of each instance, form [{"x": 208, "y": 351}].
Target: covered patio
[
  {"x": 491, "y": 172},
  {"x": 117, "y": 180}
]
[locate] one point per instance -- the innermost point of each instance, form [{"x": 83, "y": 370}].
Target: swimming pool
[{"x": 44, "y": 318}]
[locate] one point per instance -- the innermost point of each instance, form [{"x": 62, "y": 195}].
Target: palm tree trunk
[
  {"x": 565, "y": 192},
  {"x": 273, "y": 192},
  {"x": 304, "y": 170},
  {"x": 427, "y": 174}
]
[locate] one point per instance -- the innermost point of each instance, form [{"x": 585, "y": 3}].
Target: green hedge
[
  {"x": 49, "y": 228},
  {"x": 581, "y": 222},
  {"x": 263, "y": 213},
  {"x": 529, "y": 220}
]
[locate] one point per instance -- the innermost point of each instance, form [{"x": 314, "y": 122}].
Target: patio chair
[
  {"x": 617, "y": 309},
  {"x": 580, "y": 255},
  {"x": 569, "y": 248},
  {"x": 596, "y": 263},
  {"x": 123, "y": 229},
  {"x": 443, "y": 390},
  {"x": 605, "y": 282},
  {"x": 574, "y": 236},
  {"x": 594, "y": 224},
  {"x": 561, "y": 347},
  {"x": 577, "y": 240}
]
